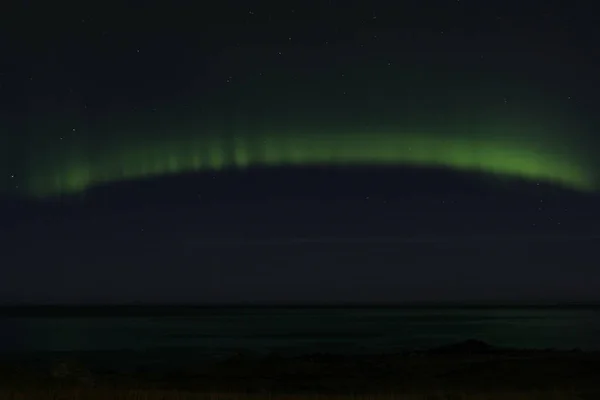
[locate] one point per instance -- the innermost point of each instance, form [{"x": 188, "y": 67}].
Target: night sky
[{"x": 315, "y": 151}]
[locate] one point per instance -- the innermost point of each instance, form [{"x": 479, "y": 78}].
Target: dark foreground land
[{"x": 469, "y": 370}]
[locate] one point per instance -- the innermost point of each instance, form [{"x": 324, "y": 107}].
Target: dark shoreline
[
  {"x": 176, "y": 310},
  {"x": 472, "y": 365}
]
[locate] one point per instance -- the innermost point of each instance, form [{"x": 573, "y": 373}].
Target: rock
[
  {"x": 73, "y": 371},
  {"x": 471, "y": 346}
]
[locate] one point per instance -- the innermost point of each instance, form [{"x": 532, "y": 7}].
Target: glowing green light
[{"x": 528, "y": 157}]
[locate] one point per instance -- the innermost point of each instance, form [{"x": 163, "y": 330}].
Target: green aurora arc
[{"x": 520, "y": 153}]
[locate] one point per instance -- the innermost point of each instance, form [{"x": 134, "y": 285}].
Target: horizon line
[{"x": 391, "y": 239}]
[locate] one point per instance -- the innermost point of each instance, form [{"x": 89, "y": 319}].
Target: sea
[{"x": 215, "y": 332}]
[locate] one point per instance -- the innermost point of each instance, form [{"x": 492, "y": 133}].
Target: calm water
[{"x": 214, "y": 331}]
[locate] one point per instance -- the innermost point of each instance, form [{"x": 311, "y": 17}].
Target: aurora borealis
[
  {"x": 513, "y": 155},
  {"x": 112, "y": 106}
]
